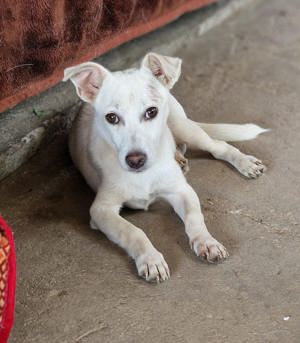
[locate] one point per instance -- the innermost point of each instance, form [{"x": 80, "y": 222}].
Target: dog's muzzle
[{"x": 136, "y": 159}]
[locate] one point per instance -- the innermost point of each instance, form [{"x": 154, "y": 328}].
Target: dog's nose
[{"x": 136, "y": 159}]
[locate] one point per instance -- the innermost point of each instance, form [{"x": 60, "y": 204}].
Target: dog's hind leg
[
  {"x": 180, "y": 152},
  {"x": 105, "y": 216},
  {"x": 189, "y": 132},
  {"x": 182, "y": 160}
]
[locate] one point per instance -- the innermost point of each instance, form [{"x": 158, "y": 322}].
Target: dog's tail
[{"x": 232, "y": 132}]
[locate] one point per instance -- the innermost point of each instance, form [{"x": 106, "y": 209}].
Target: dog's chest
[
  {"x": 139, "y": 204},
  {"x": 139, "y": 196},
  {"x": 140, "y": 190}
]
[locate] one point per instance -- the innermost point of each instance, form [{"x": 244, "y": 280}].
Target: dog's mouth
[
  {"x": 140, "y": 170},
  {"x": 136, "y": 170}
]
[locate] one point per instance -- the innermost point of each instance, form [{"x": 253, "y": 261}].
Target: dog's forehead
[{"x": 130, "y": 88}]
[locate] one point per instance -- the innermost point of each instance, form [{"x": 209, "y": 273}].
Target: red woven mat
[{"x": 7, "y": 280}]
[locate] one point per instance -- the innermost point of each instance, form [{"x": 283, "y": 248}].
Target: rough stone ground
[{"x": 73, "y": 282}]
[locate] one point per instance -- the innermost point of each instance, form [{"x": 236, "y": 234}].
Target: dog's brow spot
[
  {"x": 153, "y": 92},
  {"x": 131, "y": 97}
]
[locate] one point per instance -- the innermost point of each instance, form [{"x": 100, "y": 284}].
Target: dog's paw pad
[
  {"x": 209, "y": 249},
  {"x": 251, "y": 167},
  {"x": 153, "y": 267}
]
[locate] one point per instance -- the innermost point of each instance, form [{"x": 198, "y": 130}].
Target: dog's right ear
[{"x": 87, "y": 79}]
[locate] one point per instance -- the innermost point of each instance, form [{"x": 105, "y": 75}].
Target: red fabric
[
  {"x": 38, "y": 39},
  {"x": 7, "y": 310}
]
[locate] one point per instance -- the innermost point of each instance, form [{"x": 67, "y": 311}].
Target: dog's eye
[
  {"x": 150, "y": 113},
  {"x": 112, "y": 118}
]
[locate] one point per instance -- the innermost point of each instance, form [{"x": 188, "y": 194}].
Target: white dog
[{"x": 123, "y": 142}]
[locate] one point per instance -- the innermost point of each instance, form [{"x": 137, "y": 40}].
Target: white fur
[
  {"x": 99, "y": 150},
  {"x": 232, "y": 132}
]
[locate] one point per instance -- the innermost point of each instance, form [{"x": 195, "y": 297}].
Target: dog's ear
[
  {"x": 87, "y": 79},
  {"x": 166, "y": 69}
]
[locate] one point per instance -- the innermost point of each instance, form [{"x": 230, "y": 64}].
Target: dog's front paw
[
  {"x": 153, "y": 267},
  {"x": 209, "y": 249},
  {"x": 250, "y": 166}
]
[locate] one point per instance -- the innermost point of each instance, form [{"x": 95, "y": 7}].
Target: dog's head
[{"x": 131, "y": 106}]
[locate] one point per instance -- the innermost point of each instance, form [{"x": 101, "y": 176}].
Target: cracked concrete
[{"x": 76, "y": 286}]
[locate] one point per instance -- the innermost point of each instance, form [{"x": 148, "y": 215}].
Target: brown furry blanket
[{"x": 38, "y": 39}]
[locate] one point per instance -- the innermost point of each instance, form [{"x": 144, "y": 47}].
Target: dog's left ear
[{"x": 166, "y": 69}]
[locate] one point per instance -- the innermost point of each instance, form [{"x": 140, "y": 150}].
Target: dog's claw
[
  {"x": 250, "y": 166},
  {"x": 209, "y": 249},
  {"x": 146, "y": 272},
  {"x": 152, "y": 267}
]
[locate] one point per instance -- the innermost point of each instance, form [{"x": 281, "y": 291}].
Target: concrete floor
[{"x": 76, "y": 286}]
